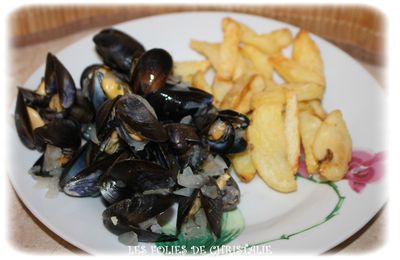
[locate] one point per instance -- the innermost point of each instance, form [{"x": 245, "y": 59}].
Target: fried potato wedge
[
  {"x": 292, "y": 131},
  {"x": 228, "y": 51},
  {"x": 243, "y": 165},
  {"x": 317, "y": 108},
  {"x": 309, "y": 125},
  {"x": 244, "y": 29},
  {"x": 269, "y": 43},
  {"x": 240, "y": 88},
  {"x": 259, "y": 59},
  {"x": 219, "y": 89},
  {"x": 199, "y": 81},
  {"x": 257, "y": 85},
  {"x": 305, "y": 91},
  {"x": 208, "y": 49},
  {"x": 332, "y": 147},
  {"x": 266, "y": 136},
  {"x": 293, "y": 72},
  {"x": 269, "y": 95},
  {"x": 306, "y": 53},
  {"x": 187, "y": 69}
]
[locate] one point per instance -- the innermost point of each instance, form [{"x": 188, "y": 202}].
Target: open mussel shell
[
  {"x": 237, "y": 119},
  {"x": 119, "y": 216},
  {"x": 172, "y": 103},
  {"x": 185, "y": 204},
  {"x": 138, "y": 118},
  {"x": 230, "y": 194},
  {"x": 64, "y": 134},
  {"x": 117, "y": 49},
  {"x": 212, "y": 203},
  {"x": 82, "y": 110},
  {"x": 101, "y": 83},
  {"x": 138, "y": 176},
  {"x": 104, "y": 120},
  {"x": 180, "y": 135},
  {"x": 23, "y": 123},
  {"x": 224, "y": 143},
  {"x": 58, "y": 81},
  {"x": 32, "y": 99},
  {"x": 151, "y": 71},
  {"x": 85, "y": 182}
]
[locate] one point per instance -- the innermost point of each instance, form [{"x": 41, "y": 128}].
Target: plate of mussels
[{"x": 112, "y": 151}]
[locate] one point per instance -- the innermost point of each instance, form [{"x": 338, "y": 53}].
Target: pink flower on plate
[{"x": 365, "y": 168}]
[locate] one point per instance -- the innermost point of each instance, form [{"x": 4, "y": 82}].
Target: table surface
[{"x": 27, "y": 233}]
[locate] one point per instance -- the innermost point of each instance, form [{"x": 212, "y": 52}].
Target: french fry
[
  {"x": 293, "y": 72},
  {"x": 259, "y": 59},
  {"x": 268, "y": 147},
  {"x": 243, "y": 165},
  {"x": 273, "y": 95},
  {"x": 306, "y": 53},
  {"x": 244, "y": 29},
  {"x": 317, "y": 108},
  {"x": 309, "y": 125},
  {"x": 219, "y": 89},
  {"x": 243, "y": 66},
  {"x": 292, "y": 131},
  {"x": 305, "y": 91},
  {"x": 186, "y": 69},
  {"x": 199, "y": 81},
  {"x": 269, "y": 43},
  {"x": 228, "y": 51},
  {"x": 237, "y": 92},
  {"x": 208, "y": 49},
  {"x": 257, "y": 85},
  {"x": 332, "y": 147}
]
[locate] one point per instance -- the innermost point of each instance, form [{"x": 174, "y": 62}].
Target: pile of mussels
[{"x": 136, "y": 136}]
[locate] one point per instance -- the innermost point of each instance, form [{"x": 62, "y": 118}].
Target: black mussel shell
[
  {"x": 82, "y": 110},
  {"x": 64, "y": 134},
  {"x": 237, "y": 119},
  {"x": 132, "y": 211},
  {"x": 59, "y": 81},
  {"x": 33, "y": 99},
  {"x": 213, "y": 207},
  {"x": 137, "y": 117},
  {"x": 184, "y": 206},
  {"x": 204, "y": 118},
  {"x": 74, "y": 166},
  {"x": 194, "y": 157},
  {"x": 117, "y": 49},
  {"x": 104, "y": 120},
  {"x": 151, "y": 71},
  {"x": 223, "y": 144},
  {"x": 141, "y": 175},
  {"x": 172, "y": 103},
  {"x": 86, "y": 77},
  {"x": 37, "y": 168},
  {"x": 22, "y": 123},
  {"x": 180, "y": 135},
  {"x": 86, "y": 182},
  {"x": 230, "y": 194}
]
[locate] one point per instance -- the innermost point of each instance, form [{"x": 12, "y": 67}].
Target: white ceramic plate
[{"x": 268, "y": 215}]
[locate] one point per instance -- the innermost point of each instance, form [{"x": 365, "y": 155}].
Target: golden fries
[
  {"x": 293, "y": 72},
  {"x": 269, "y": 43},
  {"x": 187, "y": 69},
  {"x": 209, "y": 50},
  {"x": 268, "y": 147},
  {"x": 306, "y": 53},
  {"x": 309, "y": 125},
  {"x": 228, "y": 51},
  {"x": 243, "y": 165},
  {"x": 284, "y": 116},
  {"x": 199, "y": 81},
  {"x": 332, "y": 146},
  {"x": 292, "y": 131}
]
